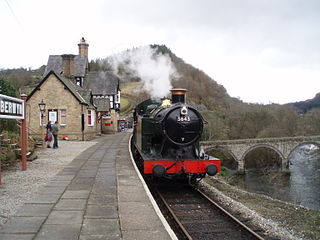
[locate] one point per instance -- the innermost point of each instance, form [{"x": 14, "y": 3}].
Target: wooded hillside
[{"x": 228, "y": 117}]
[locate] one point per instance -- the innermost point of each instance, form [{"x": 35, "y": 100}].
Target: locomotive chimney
[{"x": 178, "y": 95}]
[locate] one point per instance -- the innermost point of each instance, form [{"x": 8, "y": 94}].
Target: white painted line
[{"x": 153, "y": 202}]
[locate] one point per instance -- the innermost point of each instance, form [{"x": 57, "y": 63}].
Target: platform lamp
[{"x": 42, "y": 107}]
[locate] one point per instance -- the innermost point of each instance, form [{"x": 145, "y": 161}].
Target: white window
[
  {"x": 79, "y": 81},
  {"x": 63, "y": 117},
  {"x": 91, "y": 118},
  {"x": 53, "y": 115}
]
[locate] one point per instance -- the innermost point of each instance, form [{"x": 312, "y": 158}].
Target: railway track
[{"x": 196, "y": 216}]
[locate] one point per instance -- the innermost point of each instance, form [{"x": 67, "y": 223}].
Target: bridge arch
[
  {"x": 223, "y": 149},
  {"x": 302, "y": 144},
  {"x": 262, "y": 145},
  {"x": 239, "y": 148}
]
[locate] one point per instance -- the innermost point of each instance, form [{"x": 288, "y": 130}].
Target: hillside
[
  {"x": 228, "y": 117},
  {"x": 22, "y": 78},
  {"x": 307, "y": 105}
]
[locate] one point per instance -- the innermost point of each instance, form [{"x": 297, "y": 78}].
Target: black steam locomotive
[{"x": 166, "y": 139}]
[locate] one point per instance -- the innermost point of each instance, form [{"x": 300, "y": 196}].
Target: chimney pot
[
  {"x": 83, "y": 48},
  {"x": 178, "y": 95}
]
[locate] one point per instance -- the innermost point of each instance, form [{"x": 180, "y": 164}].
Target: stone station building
[{"x": 84, "y": 103}]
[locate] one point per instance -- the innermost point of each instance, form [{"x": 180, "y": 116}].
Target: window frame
[
  {"x": 61, "y": 115},
  {"x": 91, "y": 117}
]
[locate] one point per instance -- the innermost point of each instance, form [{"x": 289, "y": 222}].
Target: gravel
[
  {"x": 19, "y": 186},
  {"x": 276, "y": 218}
]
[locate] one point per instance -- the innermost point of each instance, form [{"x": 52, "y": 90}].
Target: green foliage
[
  {"x": 8, "y": 155},
  {"x": 8, "y": 125},
  {"x": 21, "y": 77},
  {"x": 7, "y": 88},
  {"x": 3, "y": 157},
  {"x": 100, "y": 65},
  {"x": 7, "y": 158},
  {"x": 224, "y": 172},
  {"x": 13, "y": 136},
  {"x": 305, "y": 106},
  {"x": 161, "y": 49}
]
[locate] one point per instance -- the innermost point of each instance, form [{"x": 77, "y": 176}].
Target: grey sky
[{"x": 260, "y": 50}]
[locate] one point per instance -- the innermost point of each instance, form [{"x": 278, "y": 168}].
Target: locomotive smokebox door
[{"x": 182, "y": 130}]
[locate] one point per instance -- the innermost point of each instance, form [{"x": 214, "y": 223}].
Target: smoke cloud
[{"x": 155, "y": 70}]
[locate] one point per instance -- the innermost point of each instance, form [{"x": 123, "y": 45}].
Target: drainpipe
[{"x": 82, "y": 122}]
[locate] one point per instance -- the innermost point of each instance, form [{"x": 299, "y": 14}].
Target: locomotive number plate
[{"x": 183, "y": 119}]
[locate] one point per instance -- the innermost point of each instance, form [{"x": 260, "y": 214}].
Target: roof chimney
[
  {"x": 178, "y": 95},
  {"x": 83, "y": 48},
  {"x": 68, "y": 64}
]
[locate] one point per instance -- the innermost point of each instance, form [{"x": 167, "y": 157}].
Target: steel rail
[
  {"x": 237, "y": 221},
  {"x": 176, "y": 219},
  {"x": 233, "y": 219}
]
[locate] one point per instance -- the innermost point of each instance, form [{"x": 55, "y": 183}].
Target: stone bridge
[{"x": 239, "y": 148}]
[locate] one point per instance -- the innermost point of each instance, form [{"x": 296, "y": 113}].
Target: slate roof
[
  {"x": 82, "y": 95},
  {"x": 102, "y": 83},
  {"x": 102, "y": 104},
  {"x": 55, "y": 63}
]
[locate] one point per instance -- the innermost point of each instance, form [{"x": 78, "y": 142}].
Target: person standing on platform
[
  {"x": 49, "y": 134},
  {"x": 55, "y": 131}
]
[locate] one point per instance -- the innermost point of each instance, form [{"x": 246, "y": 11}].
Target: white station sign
[{"x": 11, "y": 107}]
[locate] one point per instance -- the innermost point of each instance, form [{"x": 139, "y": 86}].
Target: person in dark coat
[
  {"x": 55, "y": 131},
  {"x": 49, "y": 134}
]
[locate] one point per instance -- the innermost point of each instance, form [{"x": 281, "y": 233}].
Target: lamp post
[{"x": 42, "y": 107}]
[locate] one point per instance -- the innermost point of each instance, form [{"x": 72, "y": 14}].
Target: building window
[
  {"x": 53, "y": 115},
  {"x": 118, "y": 97},
  {"x": 79, "y": 81},
  {"x": 91, "y": 117},
  {"x": 63, "y": 117}
]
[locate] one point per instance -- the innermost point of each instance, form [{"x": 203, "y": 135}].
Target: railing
[{"x": 263, "y": 140}]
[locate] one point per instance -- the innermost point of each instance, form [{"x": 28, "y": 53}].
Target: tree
[{"x": 7, "y": 88}]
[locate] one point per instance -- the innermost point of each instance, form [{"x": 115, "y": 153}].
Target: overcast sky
[{"x": 261, "y": 51}]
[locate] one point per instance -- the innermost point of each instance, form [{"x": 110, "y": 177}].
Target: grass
[
  {"x": 126, "y": 105},
  {"x": 130, "y": 87}
]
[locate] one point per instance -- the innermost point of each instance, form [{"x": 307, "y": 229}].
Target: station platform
[{"x": 99, "y": 195}]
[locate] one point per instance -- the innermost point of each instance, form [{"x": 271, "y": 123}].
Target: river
[{"x": 301, "y": 187}]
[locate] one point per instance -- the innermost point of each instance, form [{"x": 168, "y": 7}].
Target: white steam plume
[{"x": 154, "y": 70}]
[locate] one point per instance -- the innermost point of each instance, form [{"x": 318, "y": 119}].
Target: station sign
[{"x": 11, "y": 107}]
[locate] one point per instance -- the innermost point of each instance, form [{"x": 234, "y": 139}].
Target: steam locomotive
[{"x": 166, "y": 137}]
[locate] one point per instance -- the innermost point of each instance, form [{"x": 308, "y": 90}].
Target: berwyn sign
[{"x": 11, "y": 107}]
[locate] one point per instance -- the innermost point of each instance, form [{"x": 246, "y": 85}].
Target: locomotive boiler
[{"x": 166, "y": 137}]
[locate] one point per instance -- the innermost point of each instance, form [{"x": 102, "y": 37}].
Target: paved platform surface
[{"x": 97, "y": 196}]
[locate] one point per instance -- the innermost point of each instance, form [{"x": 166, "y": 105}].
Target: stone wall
[
  {"x": 110, "y": 125},
  {"x": 56, "y": 96}
]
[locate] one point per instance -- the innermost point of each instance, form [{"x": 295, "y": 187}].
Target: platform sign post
[
  {"x": 23, "y": 135},
  {"x": 14, "y": 108}
]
